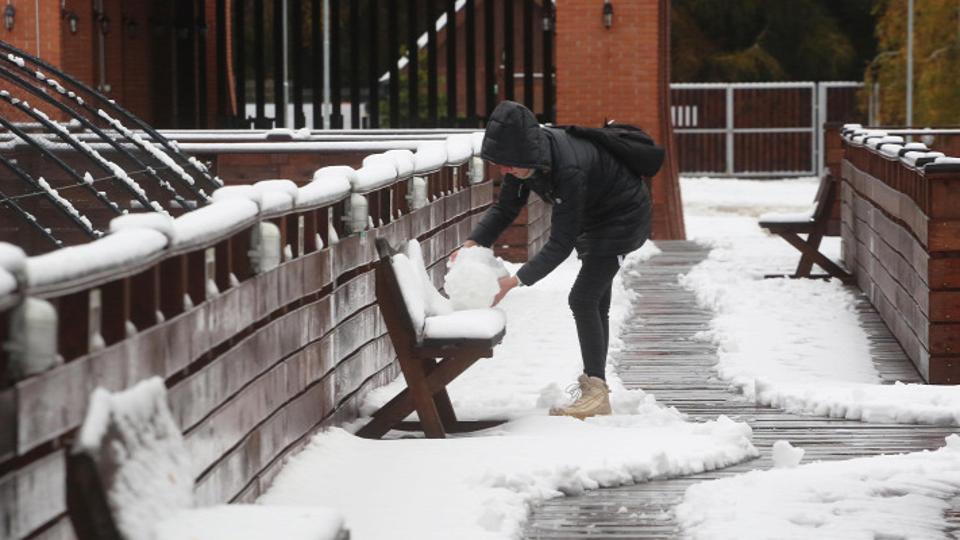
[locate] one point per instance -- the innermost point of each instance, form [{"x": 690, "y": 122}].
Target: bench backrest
[
  {"x": 405, "y": 293},
  {"x": 826, "y": 195},
  {"x": 129, "y": 467}
]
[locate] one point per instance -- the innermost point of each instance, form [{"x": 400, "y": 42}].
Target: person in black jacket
[{"x": 599, "y": 208}]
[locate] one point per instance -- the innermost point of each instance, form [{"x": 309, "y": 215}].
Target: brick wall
[
  {"x": 622, "y": 74},
  {"x": 606, "y": 74}
]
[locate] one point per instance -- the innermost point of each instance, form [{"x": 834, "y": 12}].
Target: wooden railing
[
  {"x": 901, "y": 239},
  {"x": 257, "y": 354}
]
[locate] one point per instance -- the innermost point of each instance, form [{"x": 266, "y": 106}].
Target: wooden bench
[
  {"x": 815, "y": 226},
  {"x": 129, "y": 477},
  {"x": 424, "y": 329}
]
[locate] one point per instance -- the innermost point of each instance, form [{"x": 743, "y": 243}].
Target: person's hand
[
  {"x": 506, "y": 283},
  {"x": 468, "y": 243}
]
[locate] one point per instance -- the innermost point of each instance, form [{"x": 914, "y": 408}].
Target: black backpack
[{"x": 628, "y": 144}]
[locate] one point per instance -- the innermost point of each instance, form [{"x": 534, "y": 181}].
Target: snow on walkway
[
  {"x": 902, "y": 496},
  {"x": 482, "y": 485},
  {"x": 792, "y": 344}
]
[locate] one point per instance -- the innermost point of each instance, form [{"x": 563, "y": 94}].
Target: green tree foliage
[
  {"x": 770, "y": 40},
  {"x": 936, "y": 57}
]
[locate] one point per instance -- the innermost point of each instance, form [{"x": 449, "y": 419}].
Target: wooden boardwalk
[{"x": 660, "y": 357}]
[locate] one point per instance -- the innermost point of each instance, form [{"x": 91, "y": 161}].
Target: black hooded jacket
[{"x": 599, "y": 207}]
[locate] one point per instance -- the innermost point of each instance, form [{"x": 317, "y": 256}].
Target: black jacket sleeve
[
  {"x": 513, "y": 197},
  {"x": 565, "y": 221}
]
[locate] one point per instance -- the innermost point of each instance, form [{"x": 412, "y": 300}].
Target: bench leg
[
  {"x": 817, "y": 257},
  {"x": 442, "y": 400},
  {"x": 806, "y": 261},
  {"x": 403, "y": 403},
  {"x": 416, "y": 377}
]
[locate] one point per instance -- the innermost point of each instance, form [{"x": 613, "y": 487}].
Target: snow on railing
[{"x": 388, "y": 185}]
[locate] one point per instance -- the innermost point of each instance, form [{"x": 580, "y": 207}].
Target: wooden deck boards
[{"x": 659, "y": 356}]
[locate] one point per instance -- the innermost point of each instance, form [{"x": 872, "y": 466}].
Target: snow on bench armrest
[
  {"x": 209, "y": 223},
  {"x": 143, "y": 465},
  {"x": 87, "y": 261},
  {"x": 467, "y": 324},
  {"x": 323, "y": 191},
  {"x": 459, "y": 149},
  {"x": 252, "y": 522},
  {"x": 430, "y": 157}
]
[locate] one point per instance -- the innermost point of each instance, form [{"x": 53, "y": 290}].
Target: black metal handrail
[
  {"x": 12, "y": 77},
  {"x": 111, "y": 105}
]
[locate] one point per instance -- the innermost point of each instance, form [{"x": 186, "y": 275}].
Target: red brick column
[{"x": 623, "y": 74}]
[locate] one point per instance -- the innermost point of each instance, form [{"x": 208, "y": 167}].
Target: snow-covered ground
[
  {"x": 902, "y": 496},
  {"x": 481, "y": 485},
  {"x": 793, "y": 344}
]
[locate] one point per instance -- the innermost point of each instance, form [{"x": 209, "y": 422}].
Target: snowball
[
  {"x": 785, "y": 455},
  {"x": 472, "y": 281}
]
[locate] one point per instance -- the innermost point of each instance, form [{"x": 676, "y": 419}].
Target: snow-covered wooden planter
[
  {"x": 257, "y": 311},
  {"x": 901, "y": 239}
]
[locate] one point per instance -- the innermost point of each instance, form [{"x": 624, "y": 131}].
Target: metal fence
[
  {"x": 397, "y": 63},
  {"x": 757, "y": 129}
]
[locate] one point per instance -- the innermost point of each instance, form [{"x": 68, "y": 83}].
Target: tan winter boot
[{"x": 594, "y": 399}]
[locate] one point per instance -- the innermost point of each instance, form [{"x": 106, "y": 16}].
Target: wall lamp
[
  {"x": 607, "y": 14},
  {"x": 73, "y": 22},
  {"x": 9, "y": 13}
]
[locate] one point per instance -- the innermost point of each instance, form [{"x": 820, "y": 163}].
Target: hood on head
[{"x": 515, "y": 138}]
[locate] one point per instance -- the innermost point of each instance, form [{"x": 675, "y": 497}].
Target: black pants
[{"x": 590, "y": 302}]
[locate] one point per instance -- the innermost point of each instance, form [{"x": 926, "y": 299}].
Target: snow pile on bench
[
  {"x": 144, "y": 466},
  {"x": 145, "y": 472},
  {"x": 473, "y": 279},
  {"x": 902, "y": 496}
]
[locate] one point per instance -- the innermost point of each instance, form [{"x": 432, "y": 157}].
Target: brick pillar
[{"x": 623, "y": 74}]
